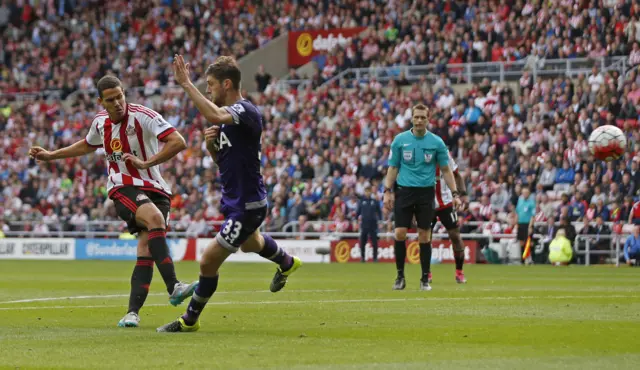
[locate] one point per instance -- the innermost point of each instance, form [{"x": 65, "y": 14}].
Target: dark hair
[
  {"x": 224, "y": 68},
  {"x": 108, "y": 82},
  {"x": 420, "y": 106}
]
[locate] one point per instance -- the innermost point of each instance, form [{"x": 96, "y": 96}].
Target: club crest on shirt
[
  {"x": 116, "y": 145},
  {"x": 130, "y": 130}
]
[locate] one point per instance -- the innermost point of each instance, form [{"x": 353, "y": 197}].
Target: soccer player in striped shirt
[
  {"x": 130, "y": 135},
  {"x": 448, "y": 215}
]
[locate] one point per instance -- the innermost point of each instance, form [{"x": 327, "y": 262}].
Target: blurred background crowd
[{"x": 323, "y": 144}]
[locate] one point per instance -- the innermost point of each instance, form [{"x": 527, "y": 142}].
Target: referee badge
[
  {"x": 407, "y": 155},
  {"x": 428, "y": 157}
]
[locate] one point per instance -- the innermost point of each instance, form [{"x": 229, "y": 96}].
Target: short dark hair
[
  {"x": 108, "y": 82},
  {"x": 420, "y": 106},
  {"x": 224, "y": 68}
]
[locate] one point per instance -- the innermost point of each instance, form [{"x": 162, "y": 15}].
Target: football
[{"x": 607, "y": 143}]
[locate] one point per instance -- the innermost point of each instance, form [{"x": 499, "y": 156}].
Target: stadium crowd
[
  {"x": 445, "y": 33},
  {"x": 322, "y": 147},
  {"x": 68, "y": 45}
]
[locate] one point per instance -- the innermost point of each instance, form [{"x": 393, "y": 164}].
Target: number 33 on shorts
[{"x": 231, "y": 231}]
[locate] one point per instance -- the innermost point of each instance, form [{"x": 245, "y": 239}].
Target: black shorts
[
  {"x": 416, "y": 202},
  {"x": 127, "y": 200},
  {"x": 448, "y": 217},
  {"x": 523, "y": 232}
]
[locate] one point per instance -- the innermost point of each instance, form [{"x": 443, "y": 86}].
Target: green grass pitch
[{"x": 330, "y": 316}]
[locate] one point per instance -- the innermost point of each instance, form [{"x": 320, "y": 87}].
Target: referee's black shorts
[{"x": 413, "y": 201}]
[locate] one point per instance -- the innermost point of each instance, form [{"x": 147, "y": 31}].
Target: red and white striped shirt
[
  {"x": 444, "y": 197},
  {"x": 571, "y": 155},
  {"x": 540, "y": 216},
  {"x": 139, "y": 133},
  {"x": 486, "y": 211},
  {"x": 490, "y": 227},
  {"x": 581, "y": 147}
]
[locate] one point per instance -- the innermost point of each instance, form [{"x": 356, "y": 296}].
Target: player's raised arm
[{"x": 211, "y": 112}]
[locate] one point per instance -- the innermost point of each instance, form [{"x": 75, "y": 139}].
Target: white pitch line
[
  {"x": 372, "y": 300},
  {"x": 71, "y": 307},
  {"x": 46, "y": 299},
  {"x": 70, "y": 298}
]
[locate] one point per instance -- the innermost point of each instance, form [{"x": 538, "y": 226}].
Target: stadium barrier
[
  {"x": 97, "y": 229},
  {"x": 615, "y": 251},
  {"x": 309, "y": 251},
  {"x": 341, "y": 248},
  {"x": 125, "y": 249},
  {"x": 471, "y": 72},
  {"x": 348, "y": 250},
  {"x": 38, "y": 248}
]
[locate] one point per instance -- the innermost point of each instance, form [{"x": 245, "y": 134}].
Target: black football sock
[
  {"x": 204, "y": 291},
  {"x": 459, "y": 256},
  {"x": 458, "y": 253},
  {"x": 161, "y": 255},
  {"x": 140, "y": 281},
  {"x": 400, "y": 249},
  {"x": 273, "y": 252},
  {"x": 425, "y": 260}
]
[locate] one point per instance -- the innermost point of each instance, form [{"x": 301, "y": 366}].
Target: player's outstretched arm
[
  {"x": 75, "y": 150},
  {"x": 174, "y": 144},
  {"x": 210, "y": 111}
]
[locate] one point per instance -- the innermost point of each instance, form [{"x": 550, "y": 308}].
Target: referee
[{"x": 413, "y": 159}]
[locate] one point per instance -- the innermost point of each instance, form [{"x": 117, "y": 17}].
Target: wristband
[
  {"x": 388, "y": 190},
  {"x": 455, "y": 194}
]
